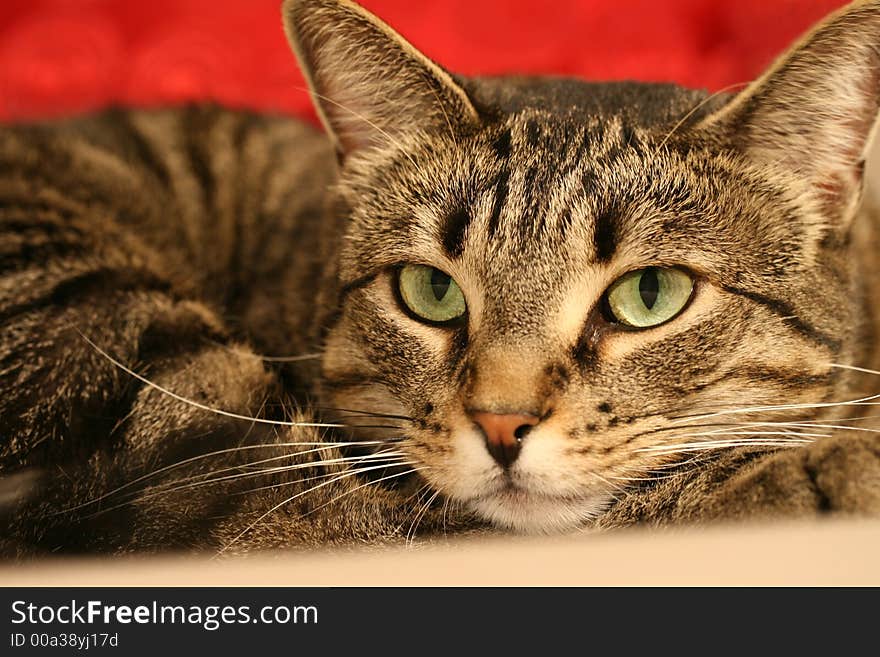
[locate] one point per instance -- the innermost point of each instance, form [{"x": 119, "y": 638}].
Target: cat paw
[{"x": 840, "y": 474}]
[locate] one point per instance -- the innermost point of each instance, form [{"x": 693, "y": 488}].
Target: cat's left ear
[
  {"x": 369, "y": 85},
  {"x": 814, "y": 111}
]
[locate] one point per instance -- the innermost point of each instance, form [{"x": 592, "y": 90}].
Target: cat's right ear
[
  {"x": 814, "y": 112},
  {"x": 369, "y": 85}
]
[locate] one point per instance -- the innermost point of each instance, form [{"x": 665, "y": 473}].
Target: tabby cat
[{"x": 516, "y": 303}]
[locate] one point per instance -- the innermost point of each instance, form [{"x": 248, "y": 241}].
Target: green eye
[
  {"x": 430, "y": 294},
  {"x": 650, "y": 296}
]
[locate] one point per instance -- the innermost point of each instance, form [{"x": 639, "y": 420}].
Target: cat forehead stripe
[
  {"x": 605, "y": 234},
  {"x": 502, "y": 188},
  {"x": 454, "y": 231}
]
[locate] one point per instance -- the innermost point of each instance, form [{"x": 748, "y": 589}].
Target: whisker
[
  {"x": 614, "y": 486},
  {"x": 632, "y": 479},
  {"x": 264, "y": 472},
  {"x": 731, "y": 432},
  {"x": 660, "y": 472},
  {"x": 772, "y": 409},
  {"x": 288, "y": 501},
  {"x": 191, "y": 482},
  {"x": 445, "y": 510},
  {"x": 418, "y": 496},
  {"x": 229, "y": 450},
  {"x": 411, "y": 532},
  {"x": 203, "y": 407},
  {"x": 809, "y": 424},
  {"x": 289, "y": 359},
  {"x": 863, "y": 401},
  {"x": 370, "y": 123},
  {"x": 390, "y": 416},
  {"x": 373, "y": 426},
  {"x": 718, "y": 444},
  {"x": 409, "y": 499},
  {"x": 304, "y": 480},
  {"x": 853, "y": 368},
  {"x": 359, "y": 487},
  {"x": 856, "y": 418},
  {"x": 392, "y": 463},
  {"x": 268, "y": 359},
  {"x": 661, "y": 430},
  {"x": 697, "y": 107}
]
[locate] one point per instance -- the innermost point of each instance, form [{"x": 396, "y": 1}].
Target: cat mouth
[
  {"x": 526, "y": 510},
  {"x": 514, "y": 492},
  {"x": 509, "y": 490}
]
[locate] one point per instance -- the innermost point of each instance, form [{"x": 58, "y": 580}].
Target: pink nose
[{"x": 504, "y": 433}]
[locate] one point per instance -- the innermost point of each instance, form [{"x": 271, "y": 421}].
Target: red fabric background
[{"x": 64, "y": 56}]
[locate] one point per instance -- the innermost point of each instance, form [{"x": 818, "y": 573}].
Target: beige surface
[{"x": 838, "y": 553}]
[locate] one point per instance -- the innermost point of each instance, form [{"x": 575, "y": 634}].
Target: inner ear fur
[
  {"x": 814, "y": 111},
  {"x": 369, "y": 85}
]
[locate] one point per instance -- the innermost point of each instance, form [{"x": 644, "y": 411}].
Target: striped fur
[{"x": 186, "y": 243}]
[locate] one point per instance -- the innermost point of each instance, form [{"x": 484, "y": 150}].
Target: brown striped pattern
[{"x": 184, "y": 242}]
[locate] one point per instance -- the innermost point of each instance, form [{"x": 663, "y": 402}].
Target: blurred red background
[{"x": 65, "y": 56}]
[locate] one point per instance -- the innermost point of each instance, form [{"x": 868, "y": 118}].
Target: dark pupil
[
  {"x": 440, "y": 284},
  {"x": 649, "y": 287}
]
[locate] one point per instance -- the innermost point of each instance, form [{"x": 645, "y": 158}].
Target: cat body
[{"x": 208, "y": 342}]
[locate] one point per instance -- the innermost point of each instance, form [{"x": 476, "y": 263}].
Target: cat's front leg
[{"x": 837, "y": 475}]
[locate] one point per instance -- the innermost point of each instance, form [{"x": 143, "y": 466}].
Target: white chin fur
[{"x": 536, "y": 514}]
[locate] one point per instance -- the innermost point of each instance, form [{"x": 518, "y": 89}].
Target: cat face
[{"x": 565, "y": 303}]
